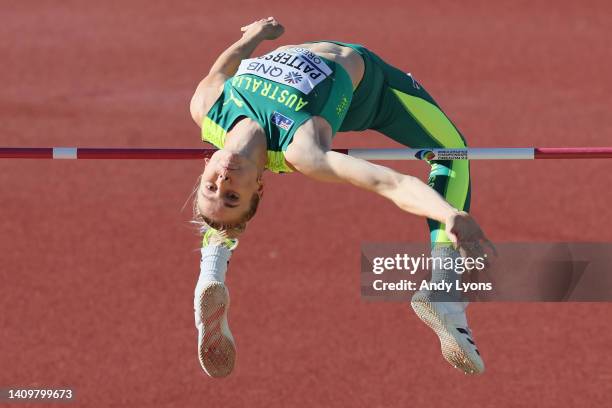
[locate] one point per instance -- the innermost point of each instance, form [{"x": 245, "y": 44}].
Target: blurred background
[{"x": 100, "y": 262}]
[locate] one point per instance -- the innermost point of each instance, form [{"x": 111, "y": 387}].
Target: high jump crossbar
[{"x": 156, "y": 153}]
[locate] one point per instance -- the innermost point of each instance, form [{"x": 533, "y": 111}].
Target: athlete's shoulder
[{"x": 206, "y": 94}]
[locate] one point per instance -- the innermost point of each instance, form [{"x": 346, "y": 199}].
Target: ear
[{"x": 206, "y": 161}]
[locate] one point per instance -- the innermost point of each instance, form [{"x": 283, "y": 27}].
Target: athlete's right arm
[
  {"x": 228, "y": 62},
  {"x": 407, "y": 192}
]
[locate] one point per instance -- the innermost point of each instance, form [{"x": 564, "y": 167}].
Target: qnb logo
[
  {"x": 293, "y": 78},
  {"x": 425, "y": 155}
]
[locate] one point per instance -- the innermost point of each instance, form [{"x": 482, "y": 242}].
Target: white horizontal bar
[
  {"x": 65, "y": 153},
  {"x": 508, "y": 153}
]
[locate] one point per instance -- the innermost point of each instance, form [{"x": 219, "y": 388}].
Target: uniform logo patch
[
  {"x": 342, "y": 105},
  {"x": 425, "y": 155},
  {"x": 293, "y": 78},
  {"x": 233, "y": 98},
  {"x": 282, "y": 121},
  {"x": 298, "y": 68}
]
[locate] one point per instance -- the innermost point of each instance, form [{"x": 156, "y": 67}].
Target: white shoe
[
  {"x": 216, "y": 348},
  {"x": 448, "y": 321}
]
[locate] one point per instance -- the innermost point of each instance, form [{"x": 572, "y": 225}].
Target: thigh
[
  {"x": 409, "y": 114},
  {"x": 415, "y": 120}
]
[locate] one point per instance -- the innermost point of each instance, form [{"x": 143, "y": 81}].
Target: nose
[{"x": 223, "y": 176}]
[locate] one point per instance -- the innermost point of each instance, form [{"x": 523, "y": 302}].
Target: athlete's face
[{"x": 227, "y": 186}]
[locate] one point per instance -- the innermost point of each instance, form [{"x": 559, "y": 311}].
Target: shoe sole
[
  {"x": 216, "y": 349},
  {"x": 452, "y": 351}
]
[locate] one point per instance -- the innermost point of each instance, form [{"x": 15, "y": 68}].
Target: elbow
[
  {"x": 311, "y": 164},
  {"x": 195, "y": 110}
]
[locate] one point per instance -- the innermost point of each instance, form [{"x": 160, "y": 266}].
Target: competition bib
[{"x": 297, "y": 67}]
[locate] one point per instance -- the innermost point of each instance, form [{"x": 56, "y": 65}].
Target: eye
[{"x": 210, "y": 187}]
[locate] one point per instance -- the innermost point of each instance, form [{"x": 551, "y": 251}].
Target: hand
[
  {"x": 264, "y": 29},
  {"x": 467, "y": 236}
]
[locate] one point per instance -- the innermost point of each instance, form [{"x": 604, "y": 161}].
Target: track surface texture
[{"x": 99, "y": 263}]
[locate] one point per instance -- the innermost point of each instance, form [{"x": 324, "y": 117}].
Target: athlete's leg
[
  {"x": 409, "y": 115},
  {"x": 216, "y": 348},
  {"x": 395, "y": 104}
]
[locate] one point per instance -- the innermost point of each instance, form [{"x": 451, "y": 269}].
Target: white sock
[{"x": 213, "y": 264}]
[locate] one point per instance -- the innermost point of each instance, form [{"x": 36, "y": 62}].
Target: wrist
[
  {"x": 449, "y": 214},
  {"x": 252, "y": 38}
]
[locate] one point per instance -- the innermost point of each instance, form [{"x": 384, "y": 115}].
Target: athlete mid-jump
[{"x": 280, "y": 112}]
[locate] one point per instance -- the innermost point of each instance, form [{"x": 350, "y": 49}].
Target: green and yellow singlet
[{"x": 280, "y": 91}]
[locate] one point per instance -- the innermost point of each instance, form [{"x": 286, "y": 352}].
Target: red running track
[{"x": 99, "y": 264}]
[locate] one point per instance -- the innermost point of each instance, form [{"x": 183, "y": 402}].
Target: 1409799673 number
[{"x": 16, "y": 394}]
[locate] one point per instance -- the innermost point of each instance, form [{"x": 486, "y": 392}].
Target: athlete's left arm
[{"x": 227, "y": 64}]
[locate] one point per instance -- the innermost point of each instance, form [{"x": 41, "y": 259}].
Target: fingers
[
  {"x": 490, "y": 245},
  {"x": 469, "y": 239},
  {"x": 473, "y": 249},
  {"x": 270, "y": 20}
]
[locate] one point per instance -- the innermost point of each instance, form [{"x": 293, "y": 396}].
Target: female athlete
[{"x": 280, "y": 112}]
